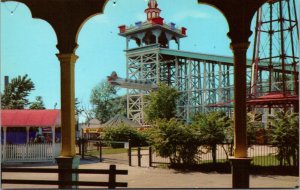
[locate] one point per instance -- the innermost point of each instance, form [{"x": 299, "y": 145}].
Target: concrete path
[{"x": 145, "y": 177}]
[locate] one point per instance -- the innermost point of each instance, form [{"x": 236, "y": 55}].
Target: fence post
[
  {"x": 139, "y": 156},
  {"x": 82, "y": 148},
  {"x": 112, "y": 177},
  {"x": 100, "y": 150},
  {"x": 150, "y": 156},
  {"x": 129, "y": 152},
  {"x": 79, "y": 145}
]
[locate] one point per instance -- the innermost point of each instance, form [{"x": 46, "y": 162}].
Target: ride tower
[
  {"x": 276, "y": 85},
  {"x": 153, "y": 55}
]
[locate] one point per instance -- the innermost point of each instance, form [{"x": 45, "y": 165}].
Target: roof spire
[{"x": 152, "y": 11}]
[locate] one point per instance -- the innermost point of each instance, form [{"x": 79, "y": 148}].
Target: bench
[{"x": 111, "y": 184}]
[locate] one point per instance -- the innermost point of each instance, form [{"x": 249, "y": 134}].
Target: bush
[
  {"x": 284, "y": 134},
  {"x": 175, "y": 141},
  {"x": 212, "y": 128},
  {"x": 124, "y": 133}
]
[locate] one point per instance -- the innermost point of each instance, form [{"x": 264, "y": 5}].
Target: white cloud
[{"x": 179, "y": 16}]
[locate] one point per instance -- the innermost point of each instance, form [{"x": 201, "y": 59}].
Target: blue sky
[{"x": 28, "y": 46}]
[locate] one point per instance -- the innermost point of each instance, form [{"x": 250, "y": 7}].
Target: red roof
[
  {"x": 275, "y": 99},
  {"x": 33, "y": 118}
]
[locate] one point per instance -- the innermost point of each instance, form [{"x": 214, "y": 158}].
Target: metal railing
[{"x": 262, "y": 155}]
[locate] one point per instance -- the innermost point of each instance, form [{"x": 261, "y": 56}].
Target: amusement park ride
[
  {"x": 205, "y": 82},
  {"x": 276, "y": 43}
]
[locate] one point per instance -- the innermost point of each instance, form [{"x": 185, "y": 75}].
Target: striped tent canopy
[{"x": 118, "y": 120}]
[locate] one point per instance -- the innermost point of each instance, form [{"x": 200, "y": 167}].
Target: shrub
[
  {"x": 212, "y": 128},
  {"x": 175, "y": 141},
  {"x": 124, "y": 133},
  {"x": 284, "y": 134}
]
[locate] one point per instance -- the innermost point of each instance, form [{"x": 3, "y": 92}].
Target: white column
[
  {"x": 53, "y": 143},
  {"x": 127, "y": 42},
  {"x": 27, "y": 134}
]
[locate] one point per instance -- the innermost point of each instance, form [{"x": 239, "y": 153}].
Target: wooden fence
[
  {"x": 111, "y": 184},
  {"x": 30, "y": 152}
]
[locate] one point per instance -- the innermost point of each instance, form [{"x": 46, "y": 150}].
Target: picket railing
[{"x": 31, "y": 152}]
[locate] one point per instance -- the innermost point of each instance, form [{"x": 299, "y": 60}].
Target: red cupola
[{"x": 153, "y": 12}]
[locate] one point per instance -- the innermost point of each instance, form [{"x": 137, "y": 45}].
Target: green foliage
[
  {"x": 253, "y": 125},
  {"x": 212, "y": 129},
  {"x": 78, "y": 109},
  {"x": 161, "y": 103},
  {"x": 284, "y": 134},
  {"x": 175, "y": 140},
  {"x": 124, "y": 133},
  {"x": 16, "y": 93},
  {"x": 105, "y": 102},
  {"x": 38, "y": 104}
]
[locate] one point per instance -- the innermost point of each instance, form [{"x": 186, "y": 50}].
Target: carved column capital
[{"x": 69, "y": 58}]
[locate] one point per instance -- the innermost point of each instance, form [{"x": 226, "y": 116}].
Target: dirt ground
[{"x": 145, "y": 177}]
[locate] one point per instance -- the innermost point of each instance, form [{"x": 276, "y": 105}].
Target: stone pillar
[
  {"x": 240, "y": 113},
  {"x": 67, "y": 159},
  {"x": 240, "y": 163},
  {"x": 67, "y": 67}
]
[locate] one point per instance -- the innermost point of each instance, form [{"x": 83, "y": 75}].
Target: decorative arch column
[
  {"x": 239, "y": 14},
  {"x": 66, "y": 18}
]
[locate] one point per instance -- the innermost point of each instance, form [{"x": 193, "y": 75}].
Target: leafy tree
[
  {"x": 124, "y": 133},
  {"x": 253, "y": 126},
  {"x": 105, "y": 102},
  {"x": 174, "y": 140},
  {"x": 38, "y": 104},
  {"x": 162, "y": 103},
  {"x": 16, "y": 93},
  {"x": 212, "y": 127},
  {"x": 284, "y": 134}
]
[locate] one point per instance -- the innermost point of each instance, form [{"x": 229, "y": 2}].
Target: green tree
[
  {"x": 284, "y": 134},
  {"x": 105, "y": 102},
  {"x": 16, "y": 93},
  {"x": 38, "y": 104},
  {"x": 161, "y": 103},
  {"x": 254, "y": 124},
  {"x": 212, "y": 128},
  {"x": 175, "y": 140},
  {"x": 124, "y": 133}
]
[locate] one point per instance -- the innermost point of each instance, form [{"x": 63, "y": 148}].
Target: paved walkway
[{"x": 145, "y": 177}]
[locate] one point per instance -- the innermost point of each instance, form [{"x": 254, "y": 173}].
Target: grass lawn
[
  {"x": 108, "y": 151},
  {"x": 269, "y": 160}
]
